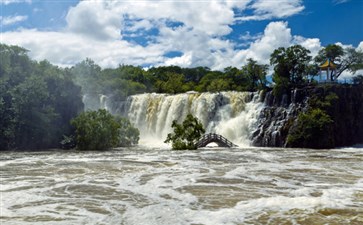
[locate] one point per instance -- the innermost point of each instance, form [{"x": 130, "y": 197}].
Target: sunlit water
[{"x": 212, "y": 186}]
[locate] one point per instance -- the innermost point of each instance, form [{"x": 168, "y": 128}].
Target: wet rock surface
[{"x": 280, "y": 114}]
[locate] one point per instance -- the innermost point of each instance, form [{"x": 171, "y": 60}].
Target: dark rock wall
[
  {"x": 348, "y": 116},
  {"x": 280, "y": 114}
]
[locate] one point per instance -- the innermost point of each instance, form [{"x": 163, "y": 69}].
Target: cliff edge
[{"x": 323, "y": 116}]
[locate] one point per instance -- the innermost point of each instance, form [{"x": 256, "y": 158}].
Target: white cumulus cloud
[
  {"x": 94, "y": 19},
  {"x": 276, "y": 34},
  {"x": 312, "y": 44},
  {"x": 103, "y": 31}
]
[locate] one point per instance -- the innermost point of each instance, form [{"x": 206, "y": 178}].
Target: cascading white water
[
  {"x": 103, "y": 102},
  {"x": 95, "y": 101},
  {"x": 231, "y": 114}
]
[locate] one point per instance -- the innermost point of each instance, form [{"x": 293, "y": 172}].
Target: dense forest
[{"x": 38, "y": 100}]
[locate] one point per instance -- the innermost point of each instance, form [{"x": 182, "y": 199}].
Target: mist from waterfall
[{"x": 231, "y": 114}]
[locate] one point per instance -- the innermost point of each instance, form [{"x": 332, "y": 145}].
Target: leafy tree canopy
[
  {"x": 37, "y": 101},
  {"x": 100, "y": 130},
  {"x": 128, "y": 135},
  {"x": 291, "y": 67},
  {"x": 255, "y": 75},
  {"x": 185, "y": 135},
  {"x": 348, "y": 59},
  {"x": 313, "y": 130},
  {"x": 332, "y": 51},
  {"x": 96, "y": 130}
]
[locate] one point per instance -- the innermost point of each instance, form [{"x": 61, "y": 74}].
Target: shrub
[
  {"x": 96, "y": 130},
  {"x": 312, "y": 130},
  {"x": 186, "y": 134},
  {"x": 99, "y": 130},
  {"x": 128, "y": 135}
]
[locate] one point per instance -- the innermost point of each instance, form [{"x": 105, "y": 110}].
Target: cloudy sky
[{"x": 187, "y": 33}]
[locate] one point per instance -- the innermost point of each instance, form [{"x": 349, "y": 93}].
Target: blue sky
[{"x": 187, "y": 33}]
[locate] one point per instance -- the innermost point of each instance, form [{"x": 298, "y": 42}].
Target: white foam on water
[{"x": 145, "y": 186}]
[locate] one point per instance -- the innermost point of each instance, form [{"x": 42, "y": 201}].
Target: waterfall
[
  {"x": 103, "y": 102},
  {"x": 95, "y": 101},
  {"x": 231, "y": 114}
]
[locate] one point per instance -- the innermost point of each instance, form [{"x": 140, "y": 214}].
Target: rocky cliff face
[{"x": 278, "y": 118}]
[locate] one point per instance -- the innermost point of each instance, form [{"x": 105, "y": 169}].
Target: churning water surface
[{"x": 209, "y": 186}]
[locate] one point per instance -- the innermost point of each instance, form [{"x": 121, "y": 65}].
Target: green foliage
[
  {"x": 313, "y": 130},
  {"x": 323, "y": 102},
  {"x": 218, "y": 85},
  {"x": 348, "y": 59},
  {"x": 37, "y": 101},
  {"x": 291, "y": 67},
  {"x": 96, "y": 130},
  {"x": 332, "y": 51},
  {"x": 128, "y": 135},
  {"x": 282, "y": 86},
  {"x": 352, "y": 61},
  {"x": 87, "y": 74},
  {"x": 100, "y": 130},
  {"x": 172, "y": 83},
  {"x": 128, "y": 80},
  {"x": 68, "y": 142},
  {"x": 255, "y": 75},
  {"x": 186, "y": 134},
  {"x": 207, "y": 79}
]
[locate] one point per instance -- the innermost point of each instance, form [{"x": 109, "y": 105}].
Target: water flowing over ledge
[
  {"x": 231, "y": 114},
  {"x": 245, "y": 118}
]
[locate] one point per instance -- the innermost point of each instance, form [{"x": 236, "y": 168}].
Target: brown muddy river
[{"x": 212, "y": 186}]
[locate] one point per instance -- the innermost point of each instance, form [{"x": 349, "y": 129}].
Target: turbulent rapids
[
  {"x": 162, "y": 187},
  {"x": 230, "y": 114}
]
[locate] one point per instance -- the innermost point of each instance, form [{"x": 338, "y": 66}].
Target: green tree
[
  {"x": 256, "y": 75},
  {"x": 34, "y": 117},
  {"x": 100, "y": 130},
  {"x": 7, "y": 119},
  {"x": 206, "y": 81},
  {"x": 128, "y": 135},
  {"x": 312, "y": 130},
  {"x": 332, "y": 51},
  {"x": 37, "y": 101},
  {"x": 233, "y": 79},
  {"x": 87, "y": 74},
  {"x": 185, "y": 135},
  {"x": 291, "y": 66},
  {"x": 173, "y": 83},
  {"x": 96, "y": 130},
  {"x": 194, "y": 74},
  {"x": 220, "y": 84},
  {"x": 348, "y": 59}
]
